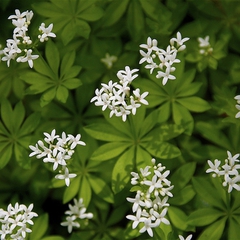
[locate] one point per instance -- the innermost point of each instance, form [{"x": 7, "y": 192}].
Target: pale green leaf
[
  {"x": 109, "y": 150},
  {"x": 62, "y": 94},
  {"x": 101, "y": 188},
  {"x": 40, "y": 227},
  {"x": 121, "y": 173},
  {"x": 178, "y": 218},
  {"x": 85, "y": 191},
  {"x": 72, "y": 83},
  {"x": 72, "y": 190}
]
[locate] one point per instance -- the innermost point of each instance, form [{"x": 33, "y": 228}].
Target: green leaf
[
  {"x": 143, "y": 158},
  {"x": 18, "y": 115},
  {"x": 233, "y": 229},
  {"x": 30, "y": 124},
  {"x": 109, "y": 150},
  {"x": 194, "y": 104},
  {"x": 21, "y": 155},
  {"x": 135, "y": 20},
  {"x": 205, "y": 190},
  {"x": 47, "y": 97},
  {"x": 40, "y": 227},
  {"x": 71, "y": 191},
  {"x": 52, "y": 56},
  {"x": 62, "y": 94},
  {"x": 92, "y": 13},
  {"x": 83, "y": 28},
  {"x": 214, "y": 231},
  {"x": 42, "y": 67},
  {"x": 101, "y": 188},
  {"x": 213, "y": 134},
  {"x": 53, "y": 238},
  {"x": 121, "y": 173},
  {"x": 204, "y": 216},
  {"x": 114, "y": 12},
  {"x": 67, "y": 62},
  {"x": 85, "y": 191},
  {"x": 6, "y": 153},
  {"x": 72, "y": 83},
  {"x": 7, "y": 115},
  {"x": 105, "y": 132},
  {"x": 183, "y": 175},
  {"x": 182, "y": 196},
  {"x": 178, "y": 218}
]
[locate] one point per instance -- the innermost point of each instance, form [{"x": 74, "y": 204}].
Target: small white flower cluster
[
  {"x": 116, "y": 96},
  {"x": 58, "y": 151},
  {"x": 150, "y": 203},
  {"x": 205, "y": 47},
  {"x": 229, "y": 171},
  {"x": 158, "y": 58},
  {"x": 237, "y": 106},
  {"x": 109, "y": 60},
  {"x": 21, "y": 42},
  {"x": 15, "y": 221},
  {"x": 76, "y": 213}
]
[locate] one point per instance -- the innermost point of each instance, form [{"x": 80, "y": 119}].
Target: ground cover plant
[{"x": 119, "y": 119}]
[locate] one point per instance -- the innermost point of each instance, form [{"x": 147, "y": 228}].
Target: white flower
[
  {"x": 109, "y": 60},
  {"x": 179, "y": 41},
  {"x": 66, "y": 176},
  {"x": 46, "y": 32},
  {"x": 189, "y": 237},
  {"x": 127, "y": 75},
  {"x": 165, "y": 75},
  {"x": 204, "y": 42},
  {"x": 137, "y": 202},
  {"x": 76, "y": 211},
  {"x": 74, "y": 141},
  {"x": 213, "y": 167},
  {"x": 28, "y": 58},
  {"x": 140, "y": 98},
  {"x": 148, "y": 225},
  {"x": 70, "y": 223},
  {"x": 136, "y": 219}
]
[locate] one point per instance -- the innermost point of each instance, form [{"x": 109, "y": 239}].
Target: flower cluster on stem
[
  {"x": 58, "y": 151},
  {"x": 228, "y": 171},
  {"x": 15, "y": 221},
  {"x": 118, "y": 97},
  {"x": 21, "y": 46},
  {"x": 237, "y": 106},
  {"x": 150, "y": 204},
  {"x": 157, "y": 58},
  {"x": 76, "y": 214},
  {"x": 204, "y": 45}
]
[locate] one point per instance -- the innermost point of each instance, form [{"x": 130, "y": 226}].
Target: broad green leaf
[
  {"x": 85, "y": 191},
  {"x": 71, "y": 191},
  {"x": 190, "y": 90},
  {"x": 204, "y": 216},
  {"x": 183, "y": 175},
  {"x": 52, "y": 56},
  {"x": 40, "y": 227},
  {"x": 6, "y": 153},
  {"x": 233, "y": 229},
  {"x": 213, "y": 134},
  {"x": 83, "y": 28},
  {"x": 182, "y": 196},
  {"x": 194, "y": 104},
  {"x": 62, "y": 94},
  {"x": 18, "y": 116},
  {"x": 160, "y": 149},
  {"x": 30, "y": 124},
  {"x": 47, "y": 97},
  {"x": 105, "y": 132},
  {"x": 92, "y": 13},
  {"x": 135, "y": 20},
  {"x": 136, "y": 122},
  {"x": 72, "y": 83},
  {"x": 121, "y": 173},
  {"x": 42, "y": 67},
  {"x": 21, "y": 155},
  {"x": 148, "y": 123},
  {"x": 67, "y": 62},
  {"x": 109, "y": 150},
  {"x": 164, "y": 112},
  {"x": 101, "y": 188},
  {"x": 46, "y": 9},
  {"x": 114, "y": 12},
  {"x": 178, "y": 218},
  {"x": 209, "y": 194},
  {"x": 169, "y": 131},
  {"x": 72, "y": 73},
  {"x": 7, "y": 115},
  {"x": 143, "y": 158},
  {"x": 214, "y": 231}
]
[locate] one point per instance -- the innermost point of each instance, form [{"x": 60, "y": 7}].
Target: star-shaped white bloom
[
  {"x": 66, "y": 176},
  {"x": 109, "y": 60},
  {"x": 189, "y": 237},
  {"x": 28, "y": 58},
  {"x": 46, "y": 32},
  {"x": 70, "y": 223},
  {"x": 204, "y": 42}
]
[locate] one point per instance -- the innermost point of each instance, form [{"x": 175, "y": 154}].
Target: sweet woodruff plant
[{"x": 110, "y": 112}]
